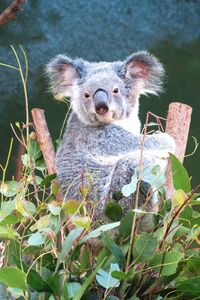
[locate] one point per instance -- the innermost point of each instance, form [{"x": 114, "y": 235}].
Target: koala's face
[
  {"x": 102, "y": 93},
  {"x": 101, "y": 97}
]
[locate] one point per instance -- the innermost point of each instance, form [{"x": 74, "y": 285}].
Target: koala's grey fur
[{"x": 103, "y": 137}]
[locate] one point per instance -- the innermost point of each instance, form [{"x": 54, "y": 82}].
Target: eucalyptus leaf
[
  {"x": 83, "y": 222},
  {"x": 9, "y": 188},
  {"x": 144, "y": 247},
  {"x": 114, "y": 249},
  {"x": 67, "y": 244},
  {"x": 113, "y": 211},
  {"x": 105, "y": 279},
  {"x": 43, "y": 222},
  {"x": 8, "y": 276},
  {"x": 36, "y": 282},
  {"x": 47, "y": 180},
  {"x": 166, "y": 262},
  {"x": 126, "y": 224},
  {"x": 130, "y": 188},
  {"x": 72, "y": 288},
  {"x": 97, "y": 232},
  {"x": 181, "y": 180},
  {"x": 36, "y": 239},
  {"x": 7, "y": 233},
  {"x": 71, "y": 207}
]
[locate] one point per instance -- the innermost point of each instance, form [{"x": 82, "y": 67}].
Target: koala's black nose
[
  {"x": 101, "y": 102},
  {"x": 101, "y": 108}
]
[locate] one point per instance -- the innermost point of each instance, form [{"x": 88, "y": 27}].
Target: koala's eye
[
  {"x": 116, "y": 91},
  {"x": 87, "y": 95}
]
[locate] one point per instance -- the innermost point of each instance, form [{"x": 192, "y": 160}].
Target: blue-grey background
[{"x": 101, "y": 30}]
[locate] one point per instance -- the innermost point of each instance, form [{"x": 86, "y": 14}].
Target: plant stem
[{"x": 137, "y": 194}]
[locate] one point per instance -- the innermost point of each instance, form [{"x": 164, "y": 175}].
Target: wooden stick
[
  {"x": 177, "y": 125},
  {"x": 44, "y": 139},
  {"x": 48, "y": 151}
]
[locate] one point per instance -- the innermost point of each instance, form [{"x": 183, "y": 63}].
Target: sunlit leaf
[
  {"x": 97, "y": 232},
  {"x": 105, "y": 279},
  {"x": 41, "y": 223},
  {"x": 178, "y": 197},
  {"x": 72, "y": 288},
  {"x": 71, "y": 207},
  {"x": 181, "y": 180},
  {"x": 36, "y": 239},
  {"x": 130, "y": 188},
  {"x": 8, "y": 276},
  {"x": 54, "y": 208},
  {"x": 83, "y": 222},
  {"x": 9, "y": 188},
  {"x": 7, "y": 233},
  {"x": 13, "y": 218}
]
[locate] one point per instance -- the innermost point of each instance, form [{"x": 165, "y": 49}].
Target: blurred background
[{"x": 101, "y": 30}]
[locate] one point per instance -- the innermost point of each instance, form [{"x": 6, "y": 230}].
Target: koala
[{"x": 101, "y": 146}]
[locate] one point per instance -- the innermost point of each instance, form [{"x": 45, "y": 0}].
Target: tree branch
[
  {"x": 9, "y": 13},
  {"x": 44, "y": 139},
  {"x": 177, "y": 125}
]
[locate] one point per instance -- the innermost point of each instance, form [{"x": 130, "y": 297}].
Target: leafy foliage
[{"x": 51, "y": 249}]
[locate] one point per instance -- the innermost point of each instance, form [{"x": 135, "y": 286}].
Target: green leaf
[
  {"x": 13, "y": 277},
  {"x": 72, "y": 288},
  {"x": 71, "y": 207},
  {"x": 114, "y": 249},
  {"x": 47, "y": 180},
  {"x": 83, "y": 222},
  {"x": 178, "y": 197},
  {"x": 9, "y": 188},
  {"x": 37, "y": 283},
  {"x": 126, "y": 225},
  {"x": 67, "y": 245},
  {"x": 97, "y": 232},
  {"x": 7, "y": 233},
  {"x": 189, "y": 287},
  {"x": 105, "y": 279},
  {"x": 130, "y": 188},
  {"x": 54, "y": 208},
  {"x": 166, "y": 262},
  {"x": 40, "y": 164},
  {"x": 7, "y": 207},
  {"x": 193, "y": 265},
  {"x": 122, "y": 275},
  {"x": 36, "y": 239},
  {"x": 34, "y": 149},
  {"x": 181, "y": 180},
  {"x": 144, "y": 247},
  {"x": 88, "y": 281},
  {"x": 113, "y": 211},
  {"x": 41, "y": 223},
  {"x": 13, "y": 219}
]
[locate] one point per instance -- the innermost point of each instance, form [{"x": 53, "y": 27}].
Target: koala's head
[{"x": 105, "y": 92}]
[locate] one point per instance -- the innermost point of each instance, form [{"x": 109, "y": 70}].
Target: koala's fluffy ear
[
  {"x": 63, "y": 71},
  {"x": 146, "y": 71}
]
